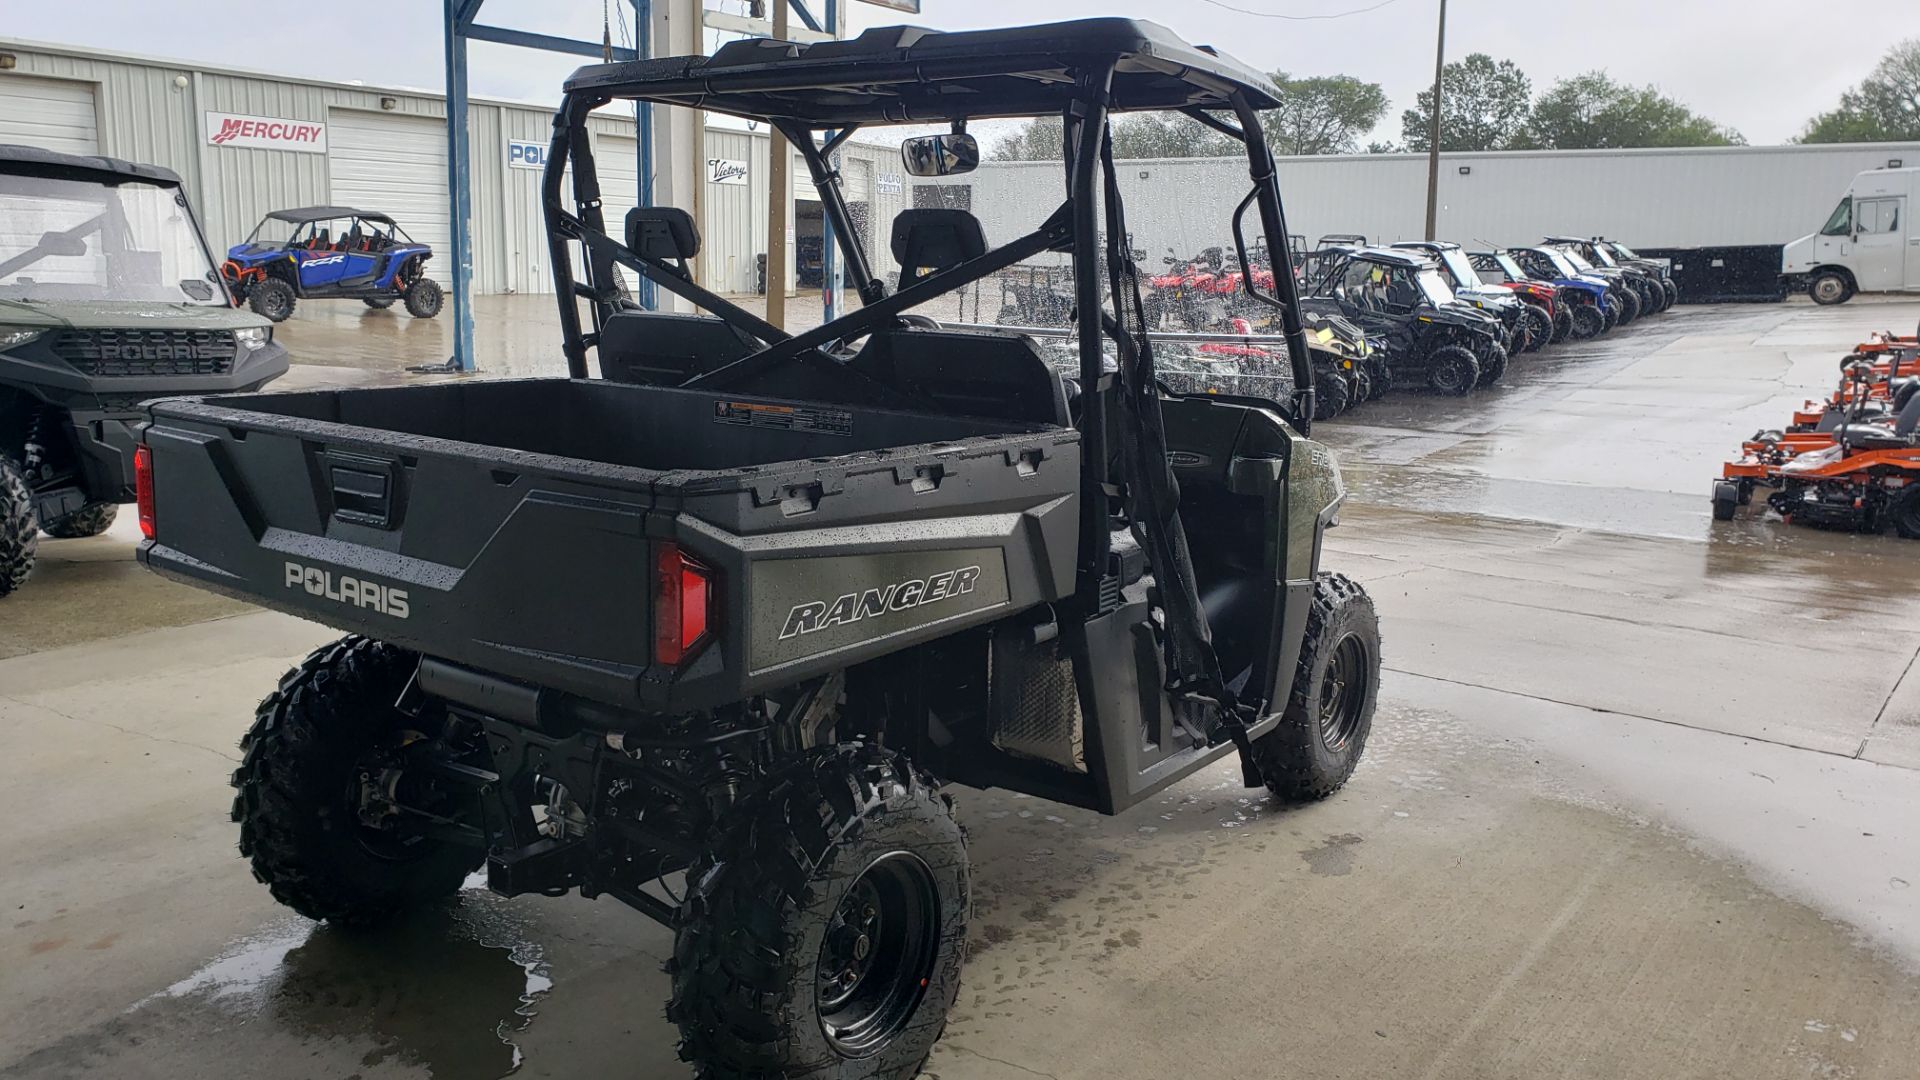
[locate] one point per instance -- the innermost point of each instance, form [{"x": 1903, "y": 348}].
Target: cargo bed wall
[
  {"x": 382, "y": 512},
  {"x": 617, "y": 424}
]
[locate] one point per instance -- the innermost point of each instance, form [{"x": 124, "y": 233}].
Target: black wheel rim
[
  {"x": 1451, "y": 376},
  {"x": 878, "y": 955},
  {"x": 1343, "y": 692}
]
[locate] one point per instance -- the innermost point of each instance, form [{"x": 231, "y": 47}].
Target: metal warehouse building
[{"x": 249, "y": 142}]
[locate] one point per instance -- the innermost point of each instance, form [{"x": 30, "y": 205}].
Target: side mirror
[{"x": 940, "y": 155}]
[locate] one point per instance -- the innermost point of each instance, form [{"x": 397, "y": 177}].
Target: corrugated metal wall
[{"x": 151, "y": 111}]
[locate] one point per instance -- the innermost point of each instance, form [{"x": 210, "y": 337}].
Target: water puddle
[{"x": 449, "y": 990}]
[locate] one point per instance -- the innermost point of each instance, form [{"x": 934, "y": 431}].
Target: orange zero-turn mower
[
  {"x": 1868, "y": 479},
  {"x": 1862, "y": 405}
]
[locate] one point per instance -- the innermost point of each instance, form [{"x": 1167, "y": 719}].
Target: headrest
[
  {"x": 662, "y": 232},
  {"x": 937, "y": 239}
]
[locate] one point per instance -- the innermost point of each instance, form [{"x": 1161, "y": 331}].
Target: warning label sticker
[{"x": 789, "y": 417}]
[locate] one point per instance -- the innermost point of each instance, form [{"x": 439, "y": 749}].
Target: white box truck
[{"x": 1869, "y": 244}]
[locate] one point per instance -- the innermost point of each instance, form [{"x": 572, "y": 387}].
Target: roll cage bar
[{"x": 1079, "y": 71}]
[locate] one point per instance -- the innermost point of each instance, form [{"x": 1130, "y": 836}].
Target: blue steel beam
[
  {"x": 460, "y": 14},
  {"x": 643, "y": 129},
  {"x": 806, "y": 16},
  {"x": 829, "y": 258},
  {"x": 528, "y": 40}
]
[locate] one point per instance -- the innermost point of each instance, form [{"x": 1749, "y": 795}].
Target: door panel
[{"x": 1880, "y": 242}]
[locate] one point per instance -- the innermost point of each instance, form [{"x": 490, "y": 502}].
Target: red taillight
[
  {"x": 143, "y": 487},
  {"x": 682, "y": 604}
]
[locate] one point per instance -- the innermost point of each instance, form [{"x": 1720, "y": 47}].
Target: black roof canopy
[
  {"x": 35, "y": 159},
  {"x": 907, "y": 74},
  {"x": 327, "y": 213}
]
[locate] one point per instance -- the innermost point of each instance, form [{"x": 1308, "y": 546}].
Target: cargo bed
[{"x": 516, "y": 526}]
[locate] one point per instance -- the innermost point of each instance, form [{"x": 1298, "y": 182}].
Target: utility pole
[
  {"x": 779, "y": 161},
  {"x": 1433, "y": 138}
]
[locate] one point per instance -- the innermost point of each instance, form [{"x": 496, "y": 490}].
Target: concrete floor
[{"x": 1643, "y": 799}]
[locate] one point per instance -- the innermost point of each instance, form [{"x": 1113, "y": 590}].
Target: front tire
[
  {"x": 1493, "y": 364},
  {"x": 1335, "y": 686},
  {"x": 825, "y": 929},
  {"x": 1830, "y": 287},
  {"x": 424, "y": 298},
  {"x": 1672, "y": 290},
  {"x": 1726, "y": 500},
  {"x": 1562, "y": 323},
  {"x": 272, "y": 299},
  {"x": 1613, "y": 314},
  {"x": 90, "y": 520},
  {"x": 1586, "y": 322},
  {"x": 1539, "y": 329},
  {"x": 1904, "y": 512},
  {"x": 1453, "y": 370},
  {"x": 1332, "y": 395},
  {"x": 1629, "y": 305},
  {"x": 19, "y": 528},
  {"x": 304, "y": 766}
]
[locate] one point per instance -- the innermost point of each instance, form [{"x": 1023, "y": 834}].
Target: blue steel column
[
  {"x": 830, "y": 259},
  {"x": 643, "y": 125},
  {"x": 460, "y": 15}
]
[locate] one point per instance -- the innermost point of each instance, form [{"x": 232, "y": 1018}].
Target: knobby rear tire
[
  {"x": 298, "y": 766},
  {"x": 767, "y": 891},
  {"x": 19, "y": 528}
]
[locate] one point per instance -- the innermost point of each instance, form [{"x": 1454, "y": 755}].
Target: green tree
[
  {"x": 1135, "y": 135},
  {"x": 1486, "y": 107},
  {"x": 1592, "y": 111},
  {"x": 1318, "y": 115},
  {"x": 1323, "y": 114},
  {"x": 1036, "y": 140},
  {"x": 1885, "y": 107}
]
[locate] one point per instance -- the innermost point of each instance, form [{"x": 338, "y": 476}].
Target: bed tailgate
[{"x": 500, "y": 560}]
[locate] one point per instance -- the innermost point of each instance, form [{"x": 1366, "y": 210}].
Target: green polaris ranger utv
[
  {"x": 108, "y": 297},
  {"x": 707, "y": 634}
]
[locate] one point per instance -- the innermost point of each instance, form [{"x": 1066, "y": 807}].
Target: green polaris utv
[
  {"x": 108, "y": 297},
  {"x": 717, "y": 633}
]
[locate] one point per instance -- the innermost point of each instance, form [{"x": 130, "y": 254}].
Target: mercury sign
[
  {"x": 726, "y": 171},
  {"x": 266, "y": 133},
  {"x": 526, "y": 155}
]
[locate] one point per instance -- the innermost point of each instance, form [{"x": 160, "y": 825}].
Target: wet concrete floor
[{"x": 1643, "y": 798}]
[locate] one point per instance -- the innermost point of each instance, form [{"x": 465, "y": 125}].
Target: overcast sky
[{"x": 1763, "y": 66}]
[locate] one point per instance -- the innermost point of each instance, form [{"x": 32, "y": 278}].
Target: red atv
[
  {"x": 1193, "y": 294},
  {"x": 1499, "y": 268}
]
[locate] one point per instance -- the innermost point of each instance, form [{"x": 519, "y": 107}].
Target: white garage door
[
  {"x": 616, "y": 160},
  {"x": 54, "y": 114},
  {"x": 396, "y": 165}
]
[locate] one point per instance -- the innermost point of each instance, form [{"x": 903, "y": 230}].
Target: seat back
[
  {"x": 972, "y": 373},
  {"x": 1908, "y": 419},
  {"x": 654, "y": 348},
  {"x": 932, "y": 240},
  {"x": 662, "y": 233}
]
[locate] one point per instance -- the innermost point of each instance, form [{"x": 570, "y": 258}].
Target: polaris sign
[
  {"x": 266, "y": 133},
  {"x": 526, "y": 155}
]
